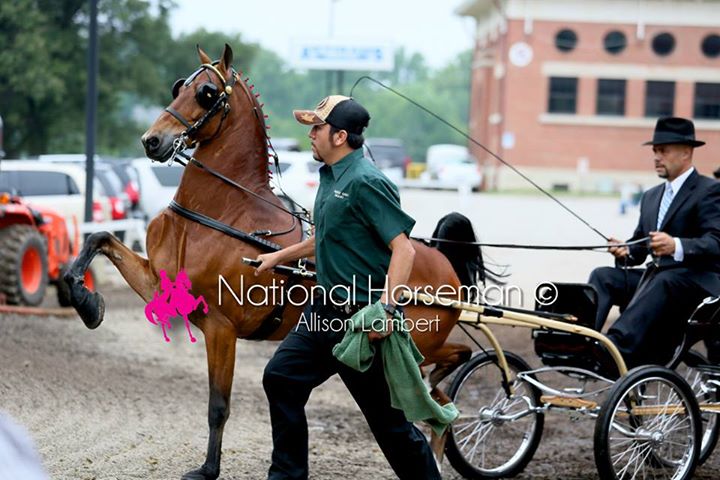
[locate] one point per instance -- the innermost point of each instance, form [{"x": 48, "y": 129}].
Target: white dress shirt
[{"x": 676, "y": 185}]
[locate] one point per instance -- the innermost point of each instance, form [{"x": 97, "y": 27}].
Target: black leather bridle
[{"x": 220, "y": 104}]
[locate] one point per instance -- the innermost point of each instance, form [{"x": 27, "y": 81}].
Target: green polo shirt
[{"x": 357, "y": 213}]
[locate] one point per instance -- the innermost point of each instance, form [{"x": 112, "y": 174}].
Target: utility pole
[{"x": 91, "y": 110}]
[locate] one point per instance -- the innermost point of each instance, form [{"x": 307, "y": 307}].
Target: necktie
[{"x": 664, "y": 204}]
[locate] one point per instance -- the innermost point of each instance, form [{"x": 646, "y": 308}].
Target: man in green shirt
[{"x": 362, "y": 252}]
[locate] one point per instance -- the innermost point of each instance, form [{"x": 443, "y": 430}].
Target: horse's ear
[
  {"x": 227, "y": 58},
  {"x": 204, "y": 57}
]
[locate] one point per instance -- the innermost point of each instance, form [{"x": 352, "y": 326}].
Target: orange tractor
[{"x": 35, "y": 250}]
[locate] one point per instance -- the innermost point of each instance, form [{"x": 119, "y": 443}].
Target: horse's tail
[{"x": 466, "y": 259}]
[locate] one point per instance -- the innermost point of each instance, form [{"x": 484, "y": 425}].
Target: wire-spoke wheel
[
  {"x": 649, "y": 427},
  {"x": 698, "y": 383},
  {"x": 495, "y": 435}
]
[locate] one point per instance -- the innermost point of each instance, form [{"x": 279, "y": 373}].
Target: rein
[{"x": 533, "y": 247}]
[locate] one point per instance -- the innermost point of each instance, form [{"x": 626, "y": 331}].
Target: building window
[
  {"x": 563, "y": 95},
  {"x": 711, "y": 46},
  {"x": 707, "y": 100},
  {"x": 659, "y": 99},
  {"x": 663, "y": 44},
  {"x": 611, "y": 97},
  {"x": 566, "y": 40},
  {"x": 615, "y": 42}
]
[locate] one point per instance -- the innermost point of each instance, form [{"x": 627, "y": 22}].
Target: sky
[{"x": 426, "y": 26}]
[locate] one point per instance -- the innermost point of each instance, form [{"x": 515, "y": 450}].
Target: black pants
[
  {"x": 653, "y": 323},
  {"x": 615, "y": 286},
  {"x": 303, "y": 361}
]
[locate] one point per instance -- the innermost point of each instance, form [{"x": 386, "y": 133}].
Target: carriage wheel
[
  {"x": 696, "y": 379},
  {"x": 485, "y": 442},
  {"x": 649, "y": 427}
]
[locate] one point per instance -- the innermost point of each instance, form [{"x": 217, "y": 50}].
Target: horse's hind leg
[
  {"x": 134, "y": 269},
  {"x": 220, "y": 341}
]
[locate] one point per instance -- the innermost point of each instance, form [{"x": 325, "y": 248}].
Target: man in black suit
[{"x": 681, "y": 219}]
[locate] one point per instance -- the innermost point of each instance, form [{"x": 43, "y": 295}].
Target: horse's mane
[{"x": 261, "y": 116}]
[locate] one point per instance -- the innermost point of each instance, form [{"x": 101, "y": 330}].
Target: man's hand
[
  {"x": 374, "y": 336},
  {"x": 269, "y": 260},
  {"x": 661, "y": 244},
  {"x": 617, "y": 252}
]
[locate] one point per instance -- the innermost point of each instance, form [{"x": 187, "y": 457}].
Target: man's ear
[
  {"x": 339, "y": 138},
  {"x": 687, "y": 152}
]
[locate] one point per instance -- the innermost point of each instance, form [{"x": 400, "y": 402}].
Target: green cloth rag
[{"x": 401, "y": 360}]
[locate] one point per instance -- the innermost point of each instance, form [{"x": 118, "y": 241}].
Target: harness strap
[
  {"x": 273, "y": 321},
  {"x": 261, "y": 243},
  {"x": 177, "y": 116}
]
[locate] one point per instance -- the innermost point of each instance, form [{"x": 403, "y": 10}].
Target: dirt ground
[{"x": 120, "y": 403}]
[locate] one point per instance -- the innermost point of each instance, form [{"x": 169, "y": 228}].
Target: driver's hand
[{"x": 617, "y": 252}]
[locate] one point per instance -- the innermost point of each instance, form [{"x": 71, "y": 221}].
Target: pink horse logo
[{"x": 174, "y": 299}]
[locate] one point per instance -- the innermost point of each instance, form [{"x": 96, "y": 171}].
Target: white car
[
  {"x": 59, "y": 186},
  {"x": 452, "y": 166},
  {"x": 157, "y": 183},
  {"x": 298, "y": 180}
]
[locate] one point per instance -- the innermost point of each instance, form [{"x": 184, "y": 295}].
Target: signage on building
[{"x": 338, "y": 54}]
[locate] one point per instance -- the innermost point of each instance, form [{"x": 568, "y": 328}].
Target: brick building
[{"x": 567, "y": 90}]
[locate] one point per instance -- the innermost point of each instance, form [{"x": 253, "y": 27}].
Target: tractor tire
[{"x": 23, "y": 265}]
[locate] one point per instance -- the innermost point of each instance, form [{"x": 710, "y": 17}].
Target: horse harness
[{"x": 214, "y": 101}]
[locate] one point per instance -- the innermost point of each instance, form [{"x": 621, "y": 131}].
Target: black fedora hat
[{"x": 674, "y": 130}]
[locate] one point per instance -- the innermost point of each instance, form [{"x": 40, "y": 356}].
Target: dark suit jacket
[{"x": 694, "y": 218}]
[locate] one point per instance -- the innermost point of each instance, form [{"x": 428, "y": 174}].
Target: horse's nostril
[{"x": 151, "y": 143}]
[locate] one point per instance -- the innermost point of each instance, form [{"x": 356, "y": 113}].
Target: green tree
[{"x": 43, "y": 79}]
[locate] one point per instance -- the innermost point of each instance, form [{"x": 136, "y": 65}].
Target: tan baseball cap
[{"x": 337, "y": 110}]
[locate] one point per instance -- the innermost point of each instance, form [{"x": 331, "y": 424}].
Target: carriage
[
  {"x": 650, "y": 422},
  {"x": 652, "y": 418}
]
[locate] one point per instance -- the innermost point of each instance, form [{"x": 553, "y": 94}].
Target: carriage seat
[{"x": 556, "y": 348}]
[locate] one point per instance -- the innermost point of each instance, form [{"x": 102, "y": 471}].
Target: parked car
[
  {"x": 119, "y": 200},
  {"x": 299, "y": 178},
  {"x": 59, "y": 186},
  {"x": 285, "y": 144},
  {"x": 122, "y": 169},
  {"x": 452, "y": 166},
  {"x": 158, "y": 183},
  {"x": 389, "y": 155},
  {"x": 129, "y": 178}
]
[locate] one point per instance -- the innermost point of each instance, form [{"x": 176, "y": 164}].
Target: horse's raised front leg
[
  {"x": 220, "y": 341},
  {"x": 134, "y": 269}
]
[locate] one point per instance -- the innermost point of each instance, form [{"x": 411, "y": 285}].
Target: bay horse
[{"x": 224, "y": 193}]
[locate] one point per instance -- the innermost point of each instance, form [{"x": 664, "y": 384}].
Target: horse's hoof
[
  {"x": 202, "y": 473},
  {"x": 89, "y": 305}
]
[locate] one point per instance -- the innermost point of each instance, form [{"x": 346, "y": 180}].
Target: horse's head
[{"x": 199, "y": 107}]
